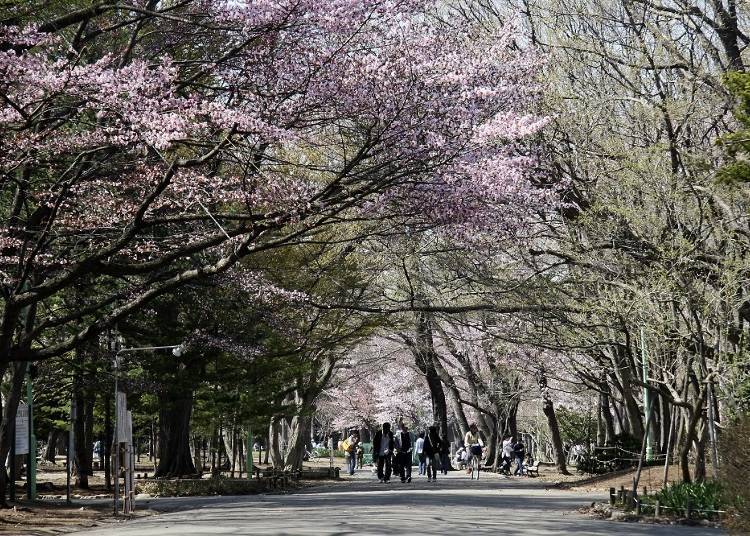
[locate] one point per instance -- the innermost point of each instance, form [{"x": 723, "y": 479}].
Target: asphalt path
[{"x": 454, "y": 505}]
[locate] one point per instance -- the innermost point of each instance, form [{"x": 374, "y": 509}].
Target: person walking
[
  {"x": 519, "y": 451},
  {"x": 445, "y": 454},
  {"x": 507, "y": 455},
  {"x": 402, "y": 442},
  {"x": 431, "y": 451},
  {"x": 395, "y": 458},
  {"x": 382, "y": 448},
  {"x": 419, "y": 448},
  {"x": 350, "y": 445},
  {"x": 473, "y": 444}
]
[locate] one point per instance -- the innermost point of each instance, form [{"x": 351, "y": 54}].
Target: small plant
[{"x": 707, "y": 495}]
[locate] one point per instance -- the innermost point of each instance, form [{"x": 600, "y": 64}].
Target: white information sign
[{"x": 22, "y": 429}]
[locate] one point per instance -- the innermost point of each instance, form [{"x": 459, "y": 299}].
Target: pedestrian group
[{"x": 392, "y": 452}]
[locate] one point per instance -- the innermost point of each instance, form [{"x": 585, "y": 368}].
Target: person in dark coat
[
  {"x": 431, "y": 451},
  {"x": 402, "y": 442},
  {"x": 519, "y": 451},
  {"x": 382, "y": 449},
  {"x": 445, "y": 454}
]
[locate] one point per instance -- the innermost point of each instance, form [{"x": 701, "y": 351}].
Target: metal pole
[{"x": 646, "y": 398}]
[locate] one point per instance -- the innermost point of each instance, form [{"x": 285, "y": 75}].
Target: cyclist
[{"x": 473, "y": 444}]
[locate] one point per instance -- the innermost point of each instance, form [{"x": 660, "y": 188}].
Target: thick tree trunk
[
  {"x": 197, "y": 458},
  {"x": 83, "y": 430},
  {"x": 107, "y": 442},
  {"x": 690, "y": 436},
  {"x": 50, "y": 452},
  {"x": 624, "y": 383},
  {"x": 174, "y": 437},
  {"x": 274, "y": 446},
  {"x": 554, "y": 429},
  {"x": 423, "y": 350},
  {"x": 606, "y": 416},
  {"x": 18, "y": 371},
  {"x": 296, "y": 449},
  {"x": 511, "y": 422}
]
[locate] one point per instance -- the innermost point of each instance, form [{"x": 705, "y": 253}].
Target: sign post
[{"x": 20, "y": 443}]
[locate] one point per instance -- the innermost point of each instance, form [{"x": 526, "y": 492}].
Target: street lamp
[{"x": 177, "y": 350}]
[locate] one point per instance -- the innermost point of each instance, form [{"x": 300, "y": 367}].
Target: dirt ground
[
  {"x": 651, "y": 477},
  {"x": 45, "y": 518}
]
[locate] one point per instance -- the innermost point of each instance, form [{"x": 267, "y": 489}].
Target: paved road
[{"x": 453, "y": 505}]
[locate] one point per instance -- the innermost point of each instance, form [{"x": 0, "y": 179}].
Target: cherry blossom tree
[{"x": 147, "y": 144}]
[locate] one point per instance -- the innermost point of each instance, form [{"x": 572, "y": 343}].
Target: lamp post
[{"x": 177, "y": 351}]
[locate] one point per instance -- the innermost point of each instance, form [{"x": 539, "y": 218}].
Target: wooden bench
[{"x": 532, "y": 470}]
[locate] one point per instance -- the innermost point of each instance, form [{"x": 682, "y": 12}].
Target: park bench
[{"x": 532, "y": 470}]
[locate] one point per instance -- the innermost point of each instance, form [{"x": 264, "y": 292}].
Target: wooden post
[
  {"x": 637, "y": 506},
  {"x": 612, "y": 496},
  {"x": 688, "y": 509},
  {"x": 657, "y": 509}
]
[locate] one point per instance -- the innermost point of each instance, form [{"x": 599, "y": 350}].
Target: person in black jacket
[
  {"x": 431, "y": 452},
  {"x": 382, "y": 448},
  {"x": 445, "y": 454},
  {"x": 402, "y": 442},
  {"x": 519, "y": 451}
]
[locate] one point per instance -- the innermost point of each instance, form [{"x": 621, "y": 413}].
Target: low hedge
[{"x": 196, "y": 487}]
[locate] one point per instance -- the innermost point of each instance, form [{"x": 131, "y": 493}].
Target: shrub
[
  {"x": 707, "y": 495},
  {"x": 735, "y": 471},
  {"x": 322, "y": 452},
  {"x": 592, "y": 464},
  {"x": 195, "y": 487}
]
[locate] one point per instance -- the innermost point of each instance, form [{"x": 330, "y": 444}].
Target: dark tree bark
[
  {"x": 83, "y": 430},
  {"x": 554, "y": 429},
  {"x": 18, "y": 371},
  {"x": 175, "y": 459},
  {"x": 423, "y": 350},
  {"x": 605, "y": 415},
  {"x": 51, "y": 451},
  {"x": 107, "y": 442}
]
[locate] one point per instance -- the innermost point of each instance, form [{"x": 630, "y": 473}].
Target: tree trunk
[
  {"x": 18, "y": 371},
  {"x": 690, "y": 434},
  {"x": 174, "y": 437},
  {"x": 274, "y": 448},
  {"x": 554, "y": 429},
  {"x": 296, "y": 450},
  {"x": 605, "y": 415},
  {"x": 107, "y": 442},
  {"x": 51, "y": 451},
  {"x": 83, "y": 429}
]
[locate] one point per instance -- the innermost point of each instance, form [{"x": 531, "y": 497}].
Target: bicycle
[{"x": 476, "y": 461}]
